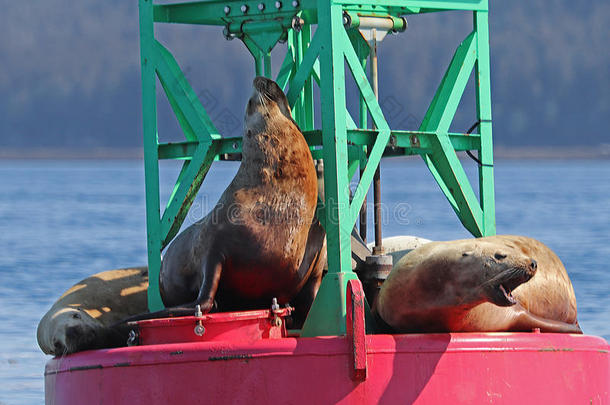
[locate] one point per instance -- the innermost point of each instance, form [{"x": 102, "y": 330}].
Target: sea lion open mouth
[
  {"x": 508, "y": 295},
  {"x": 505, "y": 283}
]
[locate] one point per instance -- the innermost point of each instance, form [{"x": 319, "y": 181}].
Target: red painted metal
[
  {"x": 469, "y": 368},
  {"x": 236, "y": 327},
  {"x": 246, "y": 358},
  {"x": 356, "y": 330}
]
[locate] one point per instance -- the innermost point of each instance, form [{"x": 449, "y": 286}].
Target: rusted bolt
[{"x": 297, "y": 23}]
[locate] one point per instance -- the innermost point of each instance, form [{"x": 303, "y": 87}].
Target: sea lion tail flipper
[{"x": 529, "y": 321}]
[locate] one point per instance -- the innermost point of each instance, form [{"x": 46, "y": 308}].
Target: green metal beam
[
  {"x": 413, "y": 142},
  {"x": 429, "y": 5},
  {"x": 185, "y": 190},
  {"x": 283, "y": 75},
  {"x": 376, "y": 152},
  {"x": 327, "y": 314},
  {"x": 443, "y": 162},
  {"x": 304, "y": 69},
  {"x": 483, "y": 103},
  {"x": 151, "y": 164},
  {"x": 183, "y": 96},
  {"x": 447, "y": 98}
]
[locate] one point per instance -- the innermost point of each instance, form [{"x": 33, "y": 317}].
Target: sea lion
[
  {"x": 81, "y": 318},
  {"x": 261, "y": 240},
  {"x": 496, "y": 283}
]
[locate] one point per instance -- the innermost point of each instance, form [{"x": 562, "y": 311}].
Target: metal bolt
[
  {"x": 261, "y": 6},
  {"x": 199, "y": 330},
  {"x": 198, "y": 312},
  {"x": 295, "y": 3},
  {"x": 133, "y": 338},
  {"x": 278, "y": 4},
  {"x": 274, "y": 305},
  {"x": 347, "y": 20},
  {"x": 244, "y": 8},
  {"x": 227, "y": 10},
  {"x": 235, "y": 145}
]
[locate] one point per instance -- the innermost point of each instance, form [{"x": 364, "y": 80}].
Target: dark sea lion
[
  {"x": 261, "y": 240},
  {"x": 81, "y": 318},
  {"x": 496, "y": 283}
]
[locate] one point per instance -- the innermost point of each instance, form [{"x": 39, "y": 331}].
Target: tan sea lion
[
  {"x": 261, "y": 240},
  {"x": 496, "y": 283},
  {"x": 81, "y": 317}
]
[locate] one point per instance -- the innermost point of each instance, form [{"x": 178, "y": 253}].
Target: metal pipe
[
  {"x": 363, "y": 215},
  {"x": 237, "y": 29},
  {"x": 363, "y": 124},
  {"x": 378, "y": 249},
  {"x": 382, "y": 23}
]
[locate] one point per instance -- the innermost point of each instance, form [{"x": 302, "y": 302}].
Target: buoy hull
[{"x": 456, "y": 368}]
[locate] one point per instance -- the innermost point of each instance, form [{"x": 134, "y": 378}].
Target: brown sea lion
[
  {"x": 261, "y": 240},
  {"x": 496, "y": 283},
  {"x": 81, "y": 318}
]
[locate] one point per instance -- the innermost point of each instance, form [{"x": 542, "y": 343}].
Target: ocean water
[{"x": 61, "y": 221}]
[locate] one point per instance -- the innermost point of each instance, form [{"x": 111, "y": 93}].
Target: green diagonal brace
[
  {"x": 446, "y": 162},
  {"x": 443, "y": 162},
  {"x": 447, "y": 98},
  {"x": 184, "y": 96},
  {"x": 185, "y": 190},
  {"x": 283, "y": 75},
  {"x": 304, "y": 70},
  {"x": 383, "y": 137}
]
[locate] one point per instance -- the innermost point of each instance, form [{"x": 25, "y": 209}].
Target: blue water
[{"x": 62, "y": 221}]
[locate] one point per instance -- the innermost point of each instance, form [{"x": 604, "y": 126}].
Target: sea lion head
[
  {"x": 68, "y": 330},
  {"x": 488, "y": 270},
  {"x": 267, "y": 99}
]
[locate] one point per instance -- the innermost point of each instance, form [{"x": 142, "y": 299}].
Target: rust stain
[{"x": 231, "y": 357}]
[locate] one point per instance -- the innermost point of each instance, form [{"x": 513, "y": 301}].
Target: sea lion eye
[
  {"x": 500, "y": 256},
  {"x": 76, "y": 316},
  {"x": 466, "y": 254}
]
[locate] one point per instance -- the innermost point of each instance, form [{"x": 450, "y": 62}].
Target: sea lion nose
[{"x": 534, "y": 264}]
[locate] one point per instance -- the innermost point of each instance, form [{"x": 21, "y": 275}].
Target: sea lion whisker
[{"x": 504, "y": 275}]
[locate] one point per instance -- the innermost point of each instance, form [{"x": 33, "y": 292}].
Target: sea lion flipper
[
  {"x": 212, "y": 269},
  {"x": 527, "y": 321}
]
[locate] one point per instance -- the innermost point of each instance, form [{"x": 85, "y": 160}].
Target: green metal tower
[{"x": 344, "y": 144}]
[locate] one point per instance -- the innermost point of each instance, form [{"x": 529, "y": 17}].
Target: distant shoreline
[{"x": 500, "y": 152}]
